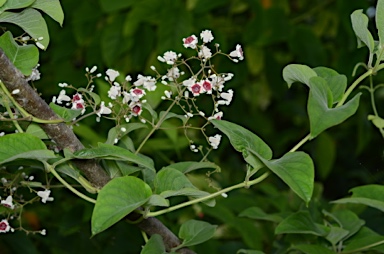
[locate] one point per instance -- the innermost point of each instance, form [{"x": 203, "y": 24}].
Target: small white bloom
[
  {"x": 189, "y": 82},
  {"x": 238, "y": 52},
  {"x": 168, "y": 94},
  {"x": 215, "y": 141},
  {"x": 16, "y": 91},
  {"x": 224, "y": 195},
  {"x": 116, "y": 140},
  {"x": 62, "y": 97},
  {"x": 112, "y": 74},
  {"x": 43, "y": 232},
  {"x": 217, "y": 116},
  {"x": 201, "y": 113},
  {"x": 104, "y": 110},
  {"x": 170, "y": 57},
  {"x": 2, "y": 133},
  {"x": 205, "y": 53},
  {"x": 123, "y": 129},
  {"x": 189, "y": 114},
  {"x": 63, "y": 85},
  {"x": 41, "y": 46},
  {"x": 45, "y": 196},
  {"x": 128, "y": 78},
  {"x": 8, "y": 202},
  {"x": 114, "y": 92},
  {"x": 153, "y": 68},
  {"x": 206, "y": 36},
  {"x": 227, "y": 97},
  {"x": 94, "y": 68}
]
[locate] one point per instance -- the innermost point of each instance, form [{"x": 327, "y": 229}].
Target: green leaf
[
  {"x": 297, "y": 171},
  {"x": 154, "y": 245},
  {"x": 23, "y": 57},
  {"x": 157, "y": 200},
  {"x": 336, "y": 234},
  {"x": 36, "y": 131},
  {"x": 336, "y": 82},
  {"x": 194, "y": 232},
  {"x": 312, "y": 249},
  {"x": 66, "y": 113},
  {"x": 298, "y": 73},
  {"x": 110, "y": 152},
  {"x": 363, "y": 240},
  {"x": 31, "y": 22},
  {"x": 380, "y": 21},
  {"x": 360, "y": 27},
  {"x": 116, "y": 199},
  {"x": 40, "y": 155},
  {"x": 245, "y": 142},
  {"x": 321, "y": 117},
  {"x": 348, "y": 220},
  {"x": 52, "y": 8},
  {"x": 22, "y": 145},
  {"x": 258, "y": 214},
  {"x": 2, "y": 2},
  {"x": 371, "y": 195},
  {"x": 189, "y": 166},
  {"x": 118, "y": 133},
  {"x": 300, "y": 223},
  {"x": 15, "y": 4},
  {"x": 171, "y": 179}
]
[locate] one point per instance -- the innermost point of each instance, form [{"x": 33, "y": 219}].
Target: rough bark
[{"x": 29, "y": 99}]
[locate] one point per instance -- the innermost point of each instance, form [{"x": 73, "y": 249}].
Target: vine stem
[
  {"x": 198, "y": 200},
  {"x": 50, "y": 169},
  {"x": 157, "y": 126},
  {"x": 25, "y": 113}
]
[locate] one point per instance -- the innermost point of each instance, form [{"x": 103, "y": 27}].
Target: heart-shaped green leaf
[
  {"x": 194, "y": 232},
  {"x": 116, "y": 199},
  {"x": 360, "y": 27},
  {"x": 298, "y": 73},
  {"x": 23, "y": 57}
]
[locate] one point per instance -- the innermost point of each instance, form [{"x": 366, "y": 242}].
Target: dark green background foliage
[{"x": 129, "y": 35}]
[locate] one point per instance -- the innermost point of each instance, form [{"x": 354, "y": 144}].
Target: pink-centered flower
[
  {"x": 136, "y": 94},
  {"x": 196, "y": 89},
  {"x": 238, "y": 52},
  {"x": 136, "y": 109},
  {"x": 207, "y": 86},
  {"x": 190, "y": 42},
  {"x": 4, "y": 226}
]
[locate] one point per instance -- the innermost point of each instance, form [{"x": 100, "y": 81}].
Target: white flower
[
  {"x": 136, "y": 109},
  {"x": 114, "y": 92},
  {"x": 45, "y": 196},
  {"x": 189, "y": 82},
  {"x": 190, "y": 42},
  {"x": 217, "y": 116},
  {"x": 168, "y": 94},
  {"x": 196, "y": 89},
  {"x": 128, "y": 78},
  {"x": 35, "y": 75},
  {"x": 206, "y": 36},
  {"x": 94, "y": 68},
  {"x": 43, "y": 232},
  {"x": 16, "y": 91},
  {"x": 227, "y": 97},
  {"x": 63, "y": 85},
  {"x": 136, "y": 94},
  {"x": 238, "y": 52},
  {"x": 4, "y": 226},
  {"x": 8, "y": 202},
  {"x": 148, "y": 82},
  {"x": 112, "y": 74},
  {"x": 217, "y": 82},
  {"x": 173, "y": 73},
  {"x": 215, "y": 141},
  {"x": 169, "y": 57},
  {"x": 126, "y": 97},
  {"x": 62, "y": 97},
  {"x": 41, "y": 46},
  {"x": 205, "y": 53},
  {"x": 104, "y": 110}
]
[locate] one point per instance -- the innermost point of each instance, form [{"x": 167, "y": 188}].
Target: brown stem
[{"x": 29, "y": 99}]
